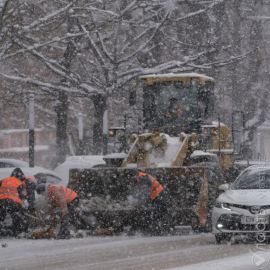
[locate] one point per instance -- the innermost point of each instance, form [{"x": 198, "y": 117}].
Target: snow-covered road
[{"x": 194, "y": 251}]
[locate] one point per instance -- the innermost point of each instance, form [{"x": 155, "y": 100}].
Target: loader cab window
[{"x": 191, "y": 103}]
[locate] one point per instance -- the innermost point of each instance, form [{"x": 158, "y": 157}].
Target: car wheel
[{"x": 222, "y": 237}]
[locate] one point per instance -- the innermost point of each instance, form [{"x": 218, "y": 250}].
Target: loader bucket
[{"x": 107, "y": 194}]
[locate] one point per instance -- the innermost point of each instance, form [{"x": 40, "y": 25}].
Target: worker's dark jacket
[
  {"x": 29, "y": 187},
  {"x": 11, "y": 188},
  {"x": 150, "y": 188}
]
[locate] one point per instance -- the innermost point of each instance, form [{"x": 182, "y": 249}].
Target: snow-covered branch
[
  {"x": 48, "y": 17},
  {"x": 222, "y": 63},
  {"x": 37, "y": 46},
  {"x": 143, "y": 46},
  {"x": 82, "y": 89}
]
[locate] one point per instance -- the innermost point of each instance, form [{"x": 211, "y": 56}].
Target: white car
[
  {"x": 77, "y": 162},
  {"x": 8, "y": 165},
  {"x": 244, "y": 207},
  {"x": 11, "y": 163}
]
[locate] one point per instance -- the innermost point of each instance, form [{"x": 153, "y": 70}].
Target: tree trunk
[
  {"x": 61, "y": 109},
  {"x": 100, "y": 106}
]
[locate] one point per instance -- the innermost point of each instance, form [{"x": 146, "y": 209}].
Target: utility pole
[
  {"x": 105, "y": 132},
  {"x": 31, "y": 130},
  {"x": 80, "y": 117}
]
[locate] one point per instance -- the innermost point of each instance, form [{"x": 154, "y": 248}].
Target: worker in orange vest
[
  {"x": 66, "y": 199},
  {"x": 173, "y": 113},
  {"x": 29, "y": 187},
  {"x": 11, "y": 196},
  {"x": 153, "y": 193}
]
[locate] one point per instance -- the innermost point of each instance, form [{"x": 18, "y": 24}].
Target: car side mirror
[{"x": 224, "y": 187}]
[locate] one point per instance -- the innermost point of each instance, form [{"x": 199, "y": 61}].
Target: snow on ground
[
  {"x": 248, "y": 261},
  {"x": 185, "y": 250}
]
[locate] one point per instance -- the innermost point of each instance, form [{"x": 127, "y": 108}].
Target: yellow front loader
[{"x": 189, "y": 155}]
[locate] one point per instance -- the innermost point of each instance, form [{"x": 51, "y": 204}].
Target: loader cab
[{"x": 192, "y": 96}]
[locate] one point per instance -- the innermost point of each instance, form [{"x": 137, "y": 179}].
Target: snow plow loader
[{"x": 182, "y": 147}]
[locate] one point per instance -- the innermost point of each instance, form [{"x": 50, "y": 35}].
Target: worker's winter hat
[
  {"x": 173, "y": 99},
  {"x": 41, "y": 187},
  {"x": 17, "y": 172},
  {"x": 41, "y": 178}
]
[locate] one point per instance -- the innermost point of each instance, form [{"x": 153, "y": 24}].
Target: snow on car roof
[
  {"x": 116, "y": 155},
  {"x": 259, "y": 167},
  {"x": 83, "y": 161},
  {"x": 15, "y": 162},
  {"x": 80, "y": 162},
  {"x": 252, "y": 163},
  {"x": 6, "y": 172}
]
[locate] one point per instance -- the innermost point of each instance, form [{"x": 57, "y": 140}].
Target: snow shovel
[
  {"x": 43, "y": 234},
  {"x": 33, "y": 217},
  {"x": 110, "y": 231},
  {"x": 48, "y": 233}
]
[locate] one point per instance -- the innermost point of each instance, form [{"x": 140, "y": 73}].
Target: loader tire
[
  {"x": 223, "y": 238},
  {"x": 196, "y": 227}
]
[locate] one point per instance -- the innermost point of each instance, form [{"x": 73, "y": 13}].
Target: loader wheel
[
  {"x": 223, "y": 237},
  {"x": 196, "y": 227},
  {"x": 118, "y": 230}
]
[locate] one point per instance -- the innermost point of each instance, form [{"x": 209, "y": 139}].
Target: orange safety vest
[
  {"x": 24, "y": 183},
  {"x": 69, "y": 194},
  {"x": 179, "y": 114},
  {"x": 9, "y": 189},
  {"x": 156, "y": 187}
]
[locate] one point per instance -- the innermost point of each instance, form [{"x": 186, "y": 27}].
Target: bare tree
[{"x": 93, "y": 49}]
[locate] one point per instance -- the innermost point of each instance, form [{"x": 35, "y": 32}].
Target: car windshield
[{"x": 253, "y": 179}]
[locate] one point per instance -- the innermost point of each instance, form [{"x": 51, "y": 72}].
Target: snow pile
[
  {"x": 173, "y": 146},
  {"x": 201, "y": 153},
  {"x": 106, "y": 204}
]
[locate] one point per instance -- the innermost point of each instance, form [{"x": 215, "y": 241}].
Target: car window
[
  {"x": 53, "y": 179},
  {"x": 253, "y": 179},
  {"x": 6, "y": 165}
]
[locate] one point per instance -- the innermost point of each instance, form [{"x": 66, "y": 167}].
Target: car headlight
[{"x": 223, "y": 206}]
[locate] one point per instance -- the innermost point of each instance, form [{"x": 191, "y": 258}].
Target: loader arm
[{"x": 152, "y": 150}]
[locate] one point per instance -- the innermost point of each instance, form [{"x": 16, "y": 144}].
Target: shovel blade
[
  {"x": 42, "y": 234},
  {"x": 106, "y": 231}
]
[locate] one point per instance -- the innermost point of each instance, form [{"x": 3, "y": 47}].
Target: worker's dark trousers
[
  {"x": 19, "y": 220},
  {"x": 64, "y": 228},
  {"x": 160, "y": 214}
]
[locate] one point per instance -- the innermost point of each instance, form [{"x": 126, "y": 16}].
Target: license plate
[{"x": 254, "y": 220}]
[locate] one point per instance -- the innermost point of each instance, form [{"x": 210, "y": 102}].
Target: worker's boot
[
  {"x": 64, "y": 232},
  {"x": 6, "y": 231},
  {"x": 62, "y": 236}
]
